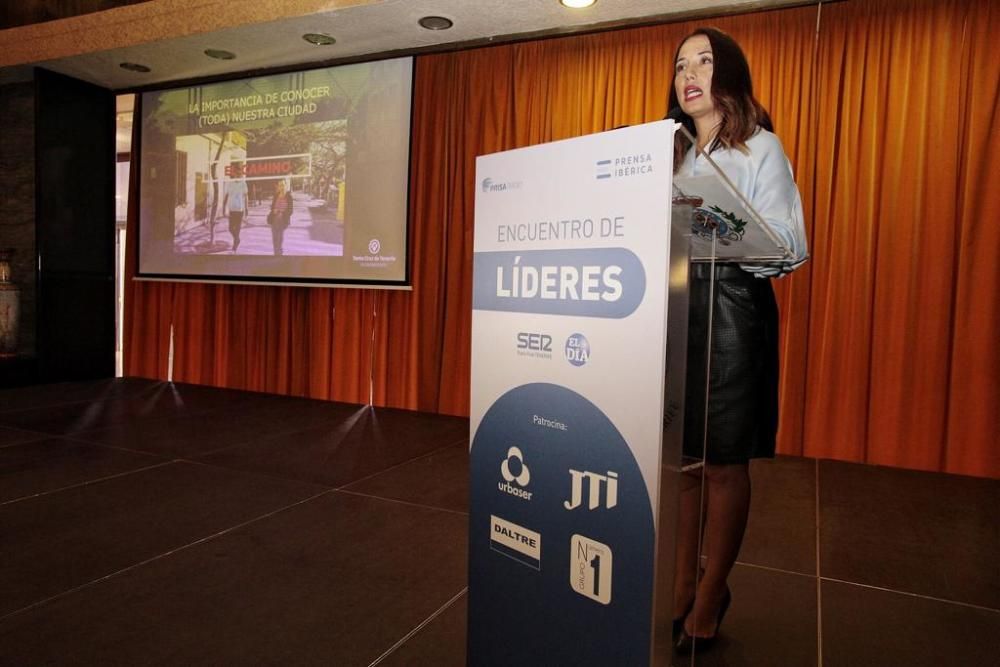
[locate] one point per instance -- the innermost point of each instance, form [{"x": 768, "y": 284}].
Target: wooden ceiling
[{"x": 15, "y": 13}]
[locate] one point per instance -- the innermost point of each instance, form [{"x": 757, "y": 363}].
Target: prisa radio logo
[{"x": 489, "y": 185}]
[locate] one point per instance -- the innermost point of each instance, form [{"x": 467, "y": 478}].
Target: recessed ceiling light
[
  {"x": 219, "y": 54},
  {"x": 435, "y": 23},
  {"x": 576, "y": 4},
  {"x": 134, "y": 67},
  {"x": 319, "y": 39}
]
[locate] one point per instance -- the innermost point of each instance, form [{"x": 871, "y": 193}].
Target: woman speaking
[{"x": 714, "y": 94}]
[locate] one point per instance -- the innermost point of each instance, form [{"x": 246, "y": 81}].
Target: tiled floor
[{"x": 155, "y": 524}]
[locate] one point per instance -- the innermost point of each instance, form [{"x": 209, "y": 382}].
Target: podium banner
[{"x": 568, "y": 348}]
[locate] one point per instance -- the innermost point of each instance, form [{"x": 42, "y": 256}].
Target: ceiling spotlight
[
  {"x": 219, "y": 54},
  {"x": 319, "y": 39},
  {"x": 435, "y": 23},
  {"x": 134, "y": 67},
  {"x": 576, "y": 4}
]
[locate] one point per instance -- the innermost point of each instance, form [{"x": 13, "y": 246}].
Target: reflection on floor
[{"x": 151, "y": 523}]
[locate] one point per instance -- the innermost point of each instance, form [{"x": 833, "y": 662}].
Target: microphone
[{"x": 674, "y": 115}]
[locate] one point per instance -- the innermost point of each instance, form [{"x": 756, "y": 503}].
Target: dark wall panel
[
  {"x": 17, "y": 201},
  {"x": 75, "y": 226}
]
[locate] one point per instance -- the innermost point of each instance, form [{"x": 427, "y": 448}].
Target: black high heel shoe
[
  {"x": 685, "y": 643},
  {"x": 678, "y": 623}
]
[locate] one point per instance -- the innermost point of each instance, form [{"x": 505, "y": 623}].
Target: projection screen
[{"x": 293, "y": 178}]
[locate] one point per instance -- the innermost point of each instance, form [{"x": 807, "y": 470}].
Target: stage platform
[{"x": 147, "y": 523}]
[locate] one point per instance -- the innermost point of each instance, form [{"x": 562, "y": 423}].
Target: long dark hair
[{"x": 732, "y": 93}]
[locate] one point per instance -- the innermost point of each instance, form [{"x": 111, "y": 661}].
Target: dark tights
[{"x": 726, "y": 503}]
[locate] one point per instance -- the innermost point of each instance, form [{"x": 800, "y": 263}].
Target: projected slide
[{"x": 298, "y": 177}]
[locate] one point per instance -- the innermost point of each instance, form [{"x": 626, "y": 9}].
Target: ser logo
[{"x": 531, "y": 344}]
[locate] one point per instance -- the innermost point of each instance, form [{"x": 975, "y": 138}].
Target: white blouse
[{"x": 764, "y": 176}]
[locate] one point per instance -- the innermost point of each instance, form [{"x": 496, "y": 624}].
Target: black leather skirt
[{"x": 743, "y": 377}]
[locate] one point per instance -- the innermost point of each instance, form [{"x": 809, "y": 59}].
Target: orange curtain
[
  {"x": 888, "y": 352},
  {"x": 902, "y": 365},
  {"x": 971, "y": 430}
]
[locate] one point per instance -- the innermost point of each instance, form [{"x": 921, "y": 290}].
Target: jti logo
[{"x": 594, "y": 484}]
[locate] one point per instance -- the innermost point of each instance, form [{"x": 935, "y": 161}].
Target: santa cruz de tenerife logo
[{"x": 515, "y": 474}]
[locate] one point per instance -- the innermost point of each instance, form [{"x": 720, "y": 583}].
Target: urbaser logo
[{"x": 516, "y": 475}]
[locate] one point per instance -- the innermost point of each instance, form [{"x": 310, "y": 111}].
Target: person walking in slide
[{"x": 236, "y": 198}]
